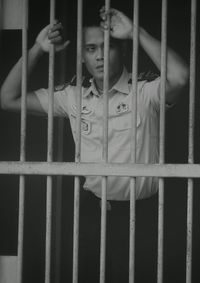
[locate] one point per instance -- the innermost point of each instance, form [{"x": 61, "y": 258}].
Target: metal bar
[
  {"x": 20, "y": 229},
  {"x": 58, "y": 223},
  {"x": 105, "y": 144},
  {"x": 163, "y": 81},
  {"x": 103, "y": 230},
  {"x": 76, "y": 228},
  {"x": 134, "y": 79},
  {"x": 160, "y": 231},
  {"x": 191, "y": 141},
  {"x": 162, "y": 141},
  {"x": 48, "y": 229},
  {"x": 59, "y": 179},
  {"x": 189, "y": 231},
  {"x": 134, "y": 141},
  {"x": 51, "y": 89},
  {"x": 99, "y": 169},
  {"x": 79, "y": 81},
  {"x": 106, "y": 83},
  {"x": 132, "y": 231},
  {"x": 59, "y": 183},
  {"x": 78, "y": 142},
  {"x": 192, "y": 83},
  {"x": 22, "y": 142},
  {"x": 50, "y": 154},
  {"x": 24, "y": 82}
]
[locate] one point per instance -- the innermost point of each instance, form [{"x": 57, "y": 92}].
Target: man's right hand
[{"x": 52, "y": 35}]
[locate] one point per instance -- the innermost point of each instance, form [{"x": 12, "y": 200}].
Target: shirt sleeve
[
  {"x": 151, "y": 92},
  {"x": 60, "y": 101}
]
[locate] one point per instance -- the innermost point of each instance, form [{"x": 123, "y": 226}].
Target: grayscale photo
[{"x": 100, "y": 137}]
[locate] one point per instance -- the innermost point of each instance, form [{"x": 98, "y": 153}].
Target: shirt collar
[{"x": 121, "y": 85}]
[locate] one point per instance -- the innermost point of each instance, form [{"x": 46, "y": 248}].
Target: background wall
[{"x": 176, "y": 151}]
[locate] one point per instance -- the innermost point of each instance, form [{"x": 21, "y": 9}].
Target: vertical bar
[
  {"x": 103, "y": 230},
  {"x": 189, "y": 231},
  {"x": 160, "y": 231},
  {"x": 134, "y": 141},
  {"x": 78, "y": 142},
  {"x": 162, "y": 141},
  {"x": 59, "y": 179},
  {"x": 50, "y": 154},
  {"x": 106, "y": 83},
  {"x": 105, "y": 144},
  {"x": 79, "y": 81},
  {"x": 22, "y": 143},
  {"x": 76, "y": 228},
  {"x": 51, "y": 89},
  {"x": 191, "y": 141},
  {"x": 58, "y": 227},
  {"x": 59, "y": 182}
]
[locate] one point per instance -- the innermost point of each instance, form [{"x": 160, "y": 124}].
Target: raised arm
[
  {"x": 177, "y": 70},
  {"x": 11, "y": 88}
]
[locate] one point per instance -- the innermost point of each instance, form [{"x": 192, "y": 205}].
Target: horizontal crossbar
[{"x": 100, "y": 169}]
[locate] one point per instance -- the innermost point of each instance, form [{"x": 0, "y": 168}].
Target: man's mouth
[{"x": 100, "y": 67}]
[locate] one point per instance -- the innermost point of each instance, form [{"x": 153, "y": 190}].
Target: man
[{"x": 119, "y": 143}]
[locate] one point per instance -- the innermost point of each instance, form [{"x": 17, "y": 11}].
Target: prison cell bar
[
  {"x": 191, "y": 141},
  {"x": 59, "y": 179},
  {"x": 105, "y": 144},
  {"x": 78, "y": 142},
  {"x": 59, "y": 182},
  {"x": 162, "y": 140},
  {"x": 22, "y": 143},
  {"x": 133, "y": 140},
  {"x": 49, "y": 153},
  {"x": 98, "y": 169}
]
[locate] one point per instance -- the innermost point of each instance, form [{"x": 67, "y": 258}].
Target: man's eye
[{"x": 90, "y": 48}]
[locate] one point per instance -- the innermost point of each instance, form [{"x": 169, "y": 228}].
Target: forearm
[
  {"x": 11, "y": 88},
  {"x": 177, "y": 70}
]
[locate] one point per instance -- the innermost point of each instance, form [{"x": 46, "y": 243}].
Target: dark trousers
[{"x": 117, "y": 240}]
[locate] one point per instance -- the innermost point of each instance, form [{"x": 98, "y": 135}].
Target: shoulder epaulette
[
  {"x": 61, "y": 87},
  {"x": 146, "y": 76},
  {"x": 85, "y": 81}
]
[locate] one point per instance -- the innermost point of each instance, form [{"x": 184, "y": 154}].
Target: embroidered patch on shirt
[
  {"x": 85, "y": 126},
  {"x": 85, "y": 110},
  {"x": 122, "y": 107}
]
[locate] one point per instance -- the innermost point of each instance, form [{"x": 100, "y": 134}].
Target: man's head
[{"x": 93, "y": 54}]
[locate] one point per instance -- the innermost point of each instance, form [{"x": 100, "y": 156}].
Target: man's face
[{"x": 93, "y": 54}]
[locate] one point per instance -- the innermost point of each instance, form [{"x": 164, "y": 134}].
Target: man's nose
[{"x": 100, "y": 54}]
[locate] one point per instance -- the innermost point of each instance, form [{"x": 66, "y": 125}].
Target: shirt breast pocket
[{"x": 122, "y": 131}]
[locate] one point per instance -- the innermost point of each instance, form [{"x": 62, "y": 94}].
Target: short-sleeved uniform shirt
[{"x": 119, "y": 130}]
